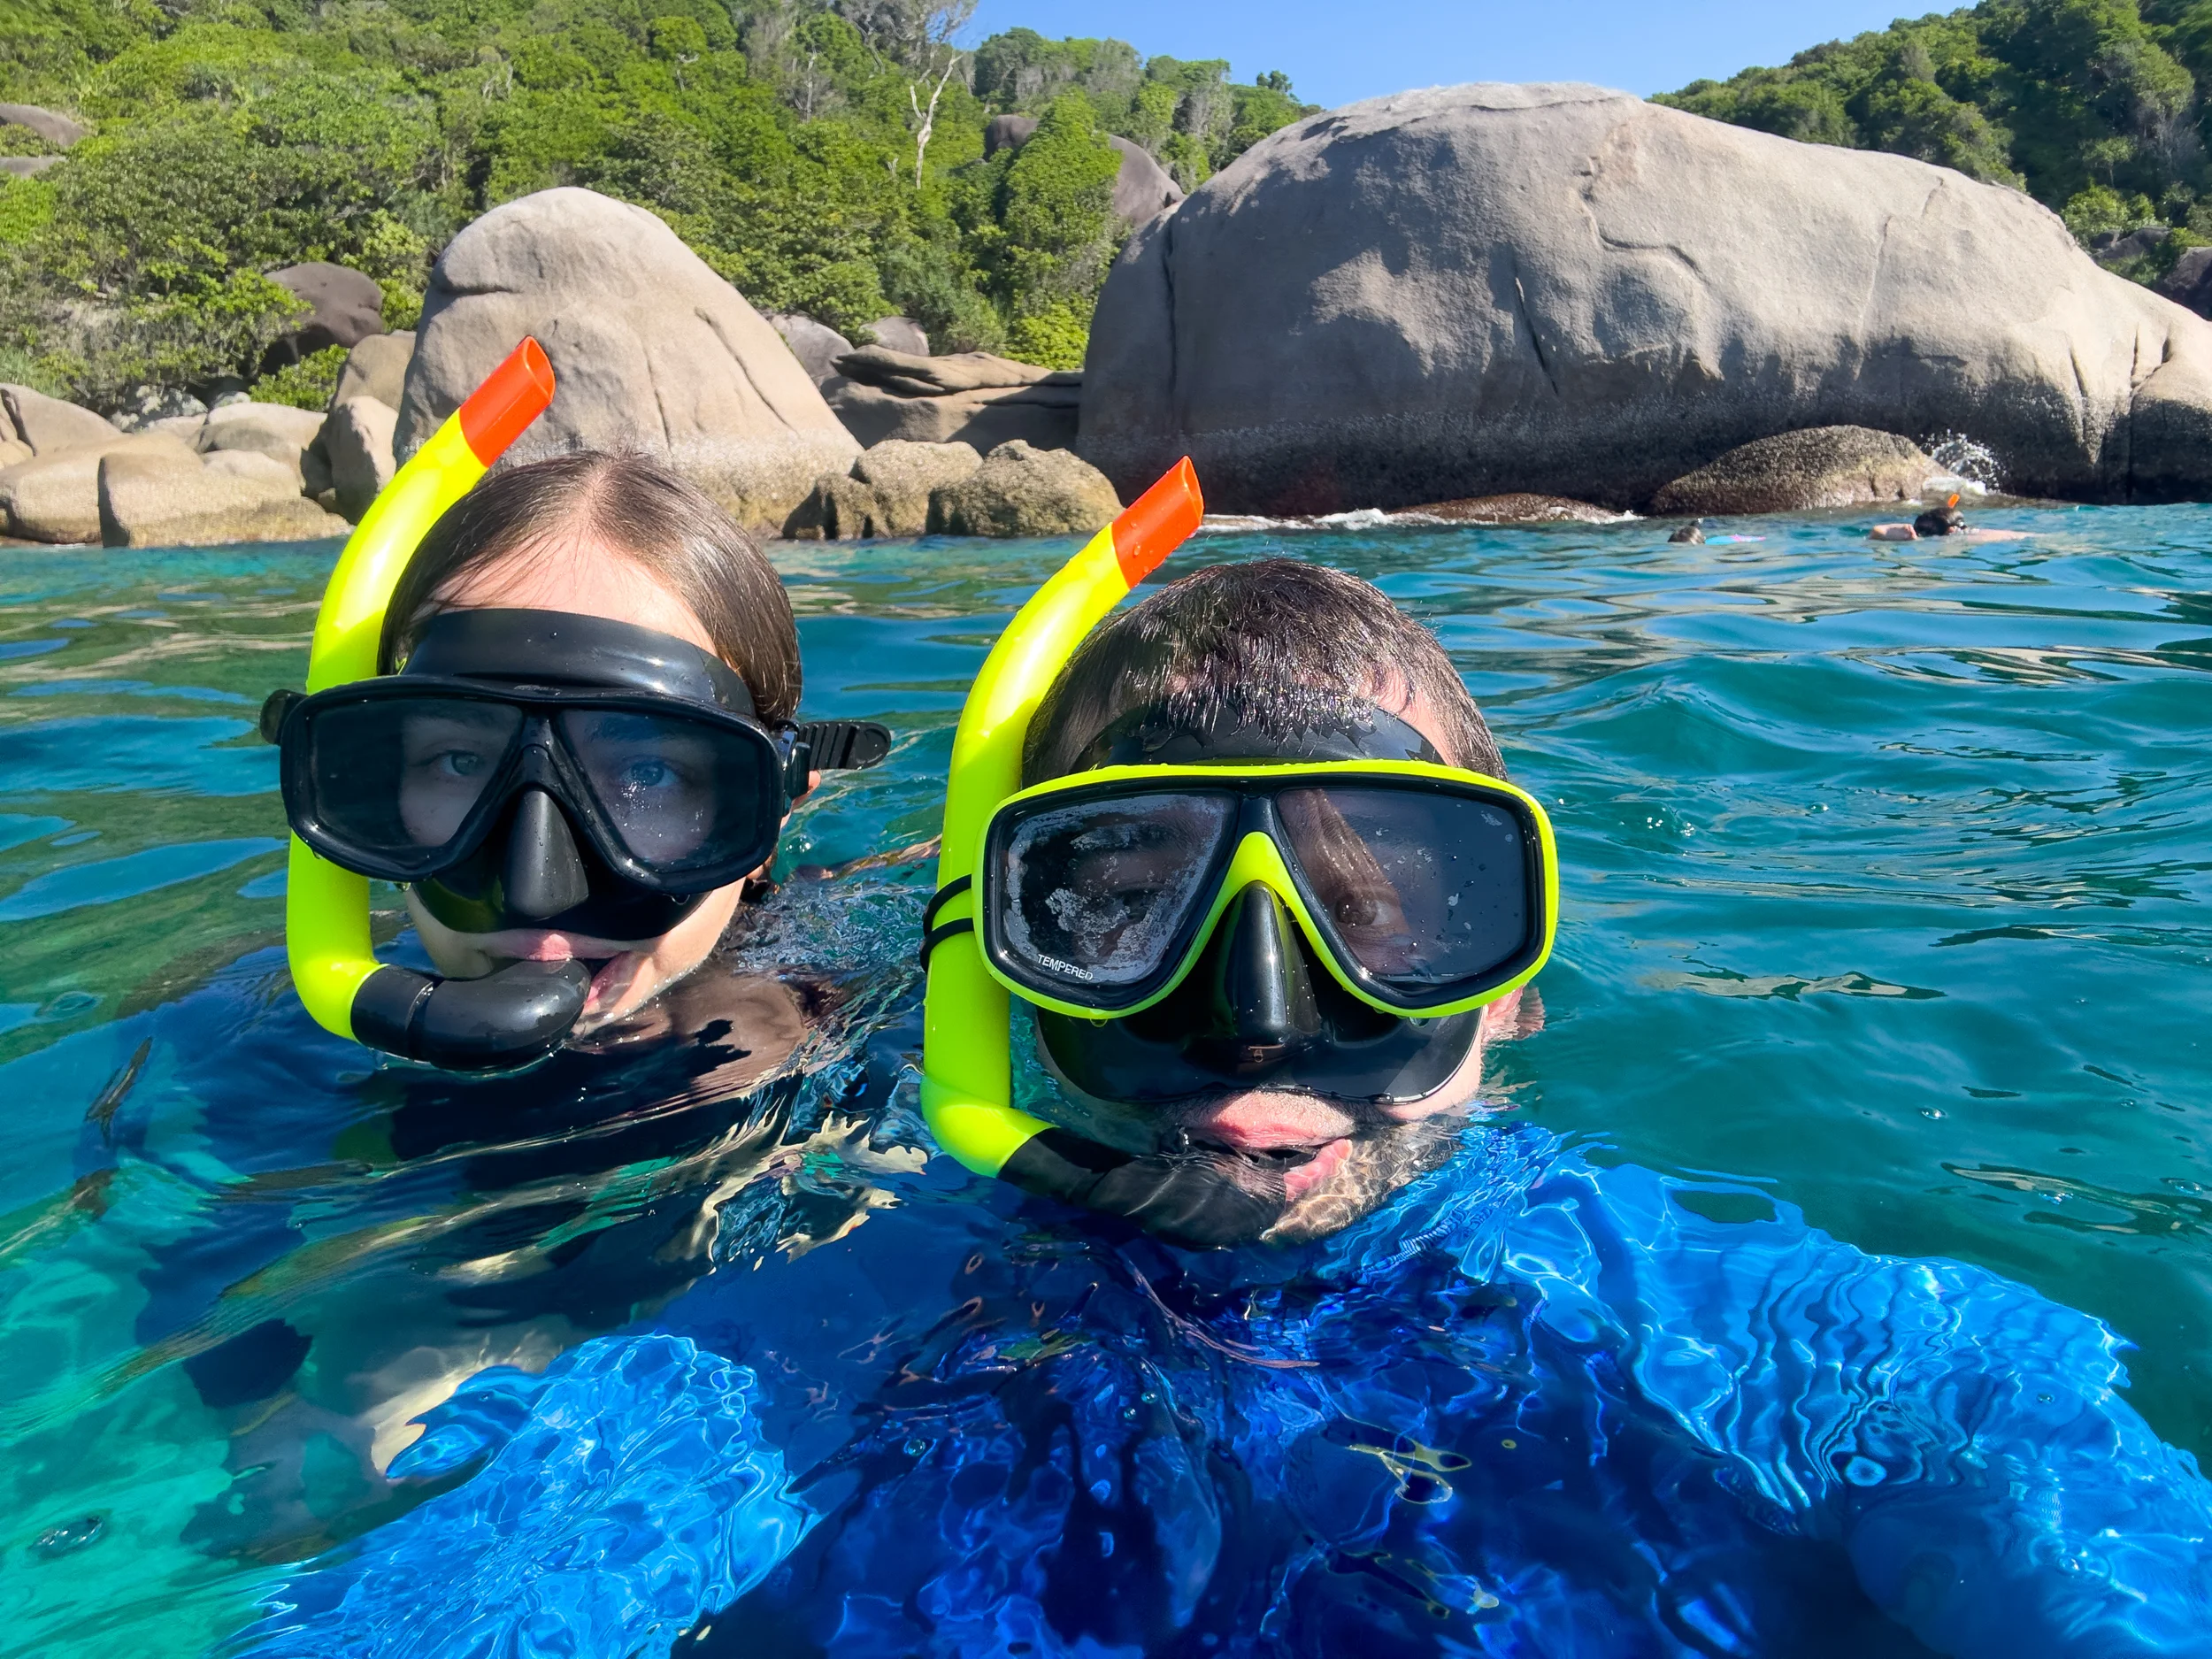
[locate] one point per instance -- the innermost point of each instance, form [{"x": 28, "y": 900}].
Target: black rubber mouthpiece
[{"x": 505, "y": 1019}]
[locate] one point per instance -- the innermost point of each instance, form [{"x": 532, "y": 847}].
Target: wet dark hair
[
  {"x": 1940, "y": 520},
  {"x": 656, "y": 519},
  {"x": 1282, "y": 645}
]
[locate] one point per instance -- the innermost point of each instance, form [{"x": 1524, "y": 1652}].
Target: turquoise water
[{"x": 1885, "y": 875}]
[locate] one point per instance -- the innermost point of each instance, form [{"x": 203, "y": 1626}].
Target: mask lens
[
  {"x": 1425, "y": 890},
  {"x": 1095, "y": 896},
  {"x": 679, "y": 792},
  {"x": 398, "y": 777}
]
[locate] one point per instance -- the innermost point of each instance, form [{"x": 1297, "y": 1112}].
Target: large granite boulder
[
  {"x": 152, "y": 498},
  {"x": 1141, "y": 188},
  {"x": 56, "y": 496},
  {"x": 650, "y": 351},
  {"x": 1563, "y": 290},
  {"x": 377, "y": 367},
  {"x": 1021, "y": 491},
  {"x": 838, "y": 508},
  {"x": 886, "y": 493},
  {"x": 56, "y": 130},
  {"x": 1518, "y": 507},
  {"x": 151, "y": 405},
  {"x": 900, "y": 333},
  {"x": 1826, "y": 466},
  {"x": 276, "y": 430},
  {"x": 27, "y": 166},
  {"x": 356, "y": 445},
  {"x": 970, "y": 398},
  {"x": 816, "y": 345},
  {"x": 344, "y": 308},
  {"x": 49, "y": 425}
]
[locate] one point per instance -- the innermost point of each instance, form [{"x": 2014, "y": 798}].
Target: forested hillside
[
  {"x": 825, "y": 158},
  {"x": 2093, "y": 107}
]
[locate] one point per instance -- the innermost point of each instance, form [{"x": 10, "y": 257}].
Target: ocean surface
[{"x": 1886, "y": 883}]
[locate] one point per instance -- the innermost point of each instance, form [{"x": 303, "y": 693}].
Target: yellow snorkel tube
[
  {"x": 967, "y": 1069},
  {"x": 334, "y": 964}
]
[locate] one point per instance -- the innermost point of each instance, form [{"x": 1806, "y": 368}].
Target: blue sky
[{"x": 1335, "y": 53}]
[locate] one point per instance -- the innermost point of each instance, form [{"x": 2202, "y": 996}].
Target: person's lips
[
  {"x": 1266, "y": 1122},
  {"x": 611, "y": 980},
  {"x": 538, "y": 944},
  {"x": 614, "y": 964},
  {"x": 1307, "y": 1140},
  {"x": 1301, "y": 1178}
]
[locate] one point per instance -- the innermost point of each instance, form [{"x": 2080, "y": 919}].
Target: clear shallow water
[{"x": 1886, "y": 880}]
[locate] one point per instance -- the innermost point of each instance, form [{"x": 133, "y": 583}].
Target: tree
[{"x": 938, "y": 28}]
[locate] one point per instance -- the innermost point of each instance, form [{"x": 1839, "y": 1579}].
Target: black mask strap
[{"x": 1154, "y": 736}]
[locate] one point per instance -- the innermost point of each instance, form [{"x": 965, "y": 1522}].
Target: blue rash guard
[{"x": 1530, "y": 1407}]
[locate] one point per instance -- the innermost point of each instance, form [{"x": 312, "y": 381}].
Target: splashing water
[{"x": 1964, "y": 465}]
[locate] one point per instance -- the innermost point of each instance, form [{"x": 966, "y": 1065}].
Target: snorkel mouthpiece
[
  {"x": 507, "y": 1018},
  {"x": 967, "y": 1070},
  {"x": 516, "y": 1014}
]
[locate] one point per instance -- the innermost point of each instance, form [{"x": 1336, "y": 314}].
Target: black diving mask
[{"x": 542, "y": 769}]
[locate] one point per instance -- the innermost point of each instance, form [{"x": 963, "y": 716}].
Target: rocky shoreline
[{"x": 1661, "y": 314}]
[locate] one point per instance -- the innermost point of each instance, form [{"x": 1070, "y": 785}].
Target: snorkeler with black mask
[
  {"x": 561, "y": 717},
  {"x": 558, "y": 705}
]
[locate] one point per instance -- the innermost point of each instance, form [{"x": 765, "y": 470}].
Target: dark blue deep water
[{"x": 1886, "y": 884}]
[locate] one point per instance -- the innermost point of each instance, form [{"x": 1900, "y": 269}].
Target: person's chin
[{"x": 1360, "y": 1172}]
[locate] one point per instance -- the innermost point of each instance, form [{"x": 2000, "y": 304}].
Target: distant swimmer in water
[
  {"x": 1693, "y": 534},
  {"x": 1946, "y": 521}
]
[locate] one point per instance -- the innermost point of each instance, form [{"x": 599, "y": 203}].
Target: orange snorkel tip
[
  {"x": 511, "y": 396},
  {"x": 1158, "y": 522}
]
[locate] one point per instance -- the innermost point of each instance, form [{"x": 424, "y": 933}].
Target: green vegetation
[
  {"x": 826, "y": 158},
  {"x": 2091, "y": 106}
]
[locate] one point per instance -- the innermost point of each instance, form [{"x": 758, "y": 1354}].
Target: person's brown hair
[
  {"x": 1282, "y": 645},
  {"x": 656, "y": 518}
]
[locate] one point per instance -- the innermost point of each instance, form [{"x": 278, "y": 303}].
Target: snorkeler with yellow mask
[{"x": 1263, "y": 927}]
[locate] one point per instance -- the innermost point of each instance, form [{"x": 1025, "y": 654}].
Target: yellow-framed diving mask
[{"x": 1424, "y": 890}]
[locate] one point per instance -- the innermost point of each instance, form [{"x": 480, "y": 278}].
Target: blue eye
[
  {"x": 462, "y": 763},
  {"x": 649, "y": 774}
]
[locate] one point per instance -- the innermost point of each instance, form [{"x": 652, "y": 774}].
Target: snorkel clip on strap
[{"x": 932, "y": 935}]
